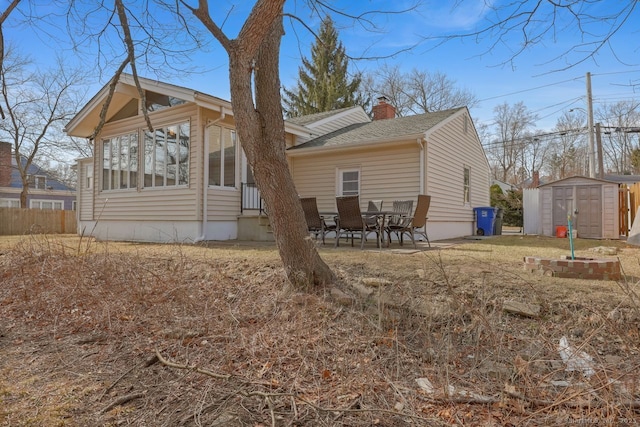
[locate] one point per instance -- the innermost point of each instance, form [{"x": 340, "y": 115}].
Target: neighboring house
[
  {"x": 504, "y": 186},
  {"x": 44, "y": 191},
  {"x": 188, "y": 180}
]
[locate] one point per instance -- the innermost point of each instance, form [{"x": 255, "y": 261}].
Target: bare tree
[
  {"x": 535, "y": 149},
  {"x": 255, "y": 98},
  {"x": 434, "y": 91},
  {"x": 568, "y": 150},
  {"x": 36, "y": 105},
  {"x": 523, "y": 24},
  {"x": 618, "y": 142},
  {"x": 391, "y": 83},
  {"x": 512, "y": 122},
  {"x": 418, "y": 91}
]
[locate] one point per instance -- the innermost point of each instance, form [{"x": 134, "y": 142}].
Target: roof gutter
[{"x": 205, "y": 186}]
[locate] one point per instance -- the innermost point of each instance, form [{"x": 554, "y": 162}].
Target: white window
[
  {"x": 467, "y": 185},
  {"x": 37, "y": 181},
  {"x": 120, "y": 163},
  {"x": 348, "y": 182},
  {"x": 222, "y": 157},
  {"x": 74, "y": 205},
  {"x": 46, "y": 204},
  {"x": 166, "y": 156},
  {"x": 88, "y": 177},
  {"x": 9, "y": 203}
]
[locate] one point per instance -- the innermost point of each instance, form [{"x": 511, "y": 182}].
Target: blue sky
[{"x": 540, "y": 77}]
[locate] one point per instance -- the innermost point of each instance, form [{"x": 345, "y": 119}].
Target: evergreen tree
[{"x": 323, "y": 81}]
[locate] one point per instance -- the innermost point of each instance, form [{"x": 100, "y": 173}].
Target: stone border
[{"x": 578, "y": 268}]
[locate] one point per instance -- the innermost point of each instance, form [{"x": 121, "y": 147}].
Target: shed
[{"x": 592, "y": 204}]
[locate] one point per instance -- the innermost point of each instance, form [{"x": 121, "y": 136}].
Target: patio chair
[
  {"x": 401, "y": 211},
  {"x": 350, "y": 220},
  {"x": 416, "y": 224},
  {"x": 315, "y": 223},
  {"x": 373, "y": 206}
]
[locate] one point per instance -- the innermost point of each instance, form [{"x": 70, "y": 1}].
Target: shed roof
[{"x": 577, "y": 178}]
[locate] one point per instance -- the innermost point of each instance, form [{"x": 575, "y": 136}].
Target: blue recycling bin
[{"x": 485, "y": 220}]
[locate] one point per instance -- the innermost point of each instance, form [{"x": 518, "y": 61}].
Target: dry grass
[{"x": 81, "y": 322}]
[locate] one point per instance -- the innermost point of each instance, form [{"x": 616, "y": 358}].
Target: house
[
  {"x": 45, "y": 192},
  {"x": 592, "y": 205},
  {"x": 391, "y": 158},
  {"x": 188, "y": 180}
]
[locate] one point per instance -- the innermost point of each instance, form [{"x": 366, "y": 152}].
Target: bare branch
[
  {"x": 105, "y": 106},
  {"x": 191, "y": 368},
  {"x": 128, "y": 40}
]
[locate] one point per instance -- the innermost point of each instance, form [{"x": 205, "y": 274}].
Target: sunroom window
[
  {"x": 120, "y": 162},
  {"x": 166, "y": 156},
  {"x": 222, "y": 157}
]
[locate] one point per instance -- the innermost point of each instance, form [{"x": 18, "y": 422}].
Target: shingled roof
[
  {"x": 361, "y": 133},
  {"x": 311, "y": 118}
]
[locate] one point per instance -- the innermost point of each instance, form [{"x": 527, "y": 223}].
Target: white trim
[
  {"x": 32, "y": 202},
  {"x": 340, "y": 171},
  {"x": 9, "y": 202},
  {"x": 337, "y": 116}
]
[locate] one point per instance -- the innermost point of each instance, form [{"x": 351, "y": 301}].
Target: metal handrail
[{"x": 250, "y": 198}]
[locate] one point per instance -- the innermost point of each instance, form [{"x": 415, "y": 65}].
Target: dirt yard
[{"x": 114, "y": 334}]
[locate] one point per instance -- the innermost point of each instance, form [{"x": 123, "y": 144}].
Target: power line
[{"x": 531, "y": 89}]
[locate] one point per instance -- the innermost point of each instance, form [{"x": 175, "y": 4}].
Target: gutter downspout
[
  {"x": 205, "y": 191},
  {"x": 421, "y": 142}
]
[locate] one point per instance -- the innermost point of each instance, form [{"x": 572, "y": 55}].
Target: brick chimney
[
  {"x": 535, "y": 179},
  {"x": 383, "y": 110},
  {"x": 5, "y": 164}
]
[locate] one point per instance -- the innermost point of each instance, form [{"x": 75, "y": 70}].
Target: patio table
[{"x": 381, "y": 218}]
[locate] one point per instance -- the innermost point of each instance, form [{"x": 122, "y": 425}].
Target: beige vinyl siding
[
  {"x": 449, "y": 150},
  {"x": 84, "y": 195},
  {"x": 223, "y": 204},
  {"x": 388, "y": 173},
  {"x": 165, "y": 203}
]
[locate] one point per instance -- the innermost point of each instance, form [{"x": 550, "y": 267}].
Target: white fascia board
[
  {"x": 338, "y": 116},
  {"x": 298, "y": 130}
]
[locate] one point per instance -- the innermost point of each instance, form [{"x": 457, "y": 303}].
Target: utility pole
[
  {"x": 592, "y": 154},
  {"x": 599, "y": 144}
]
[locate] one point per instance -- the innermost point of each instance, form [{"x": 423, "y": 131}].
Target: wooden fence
[
  {"x": 16, "y": 221},
  {"x": 629, "y": 202}
]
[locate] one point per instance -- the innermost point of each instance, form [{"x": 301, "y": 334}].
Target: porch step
[{"x": 254, "y": 228}]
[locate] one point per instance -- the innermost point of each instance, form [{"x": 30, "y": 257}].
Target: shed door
[
  {"x": 589, "y": 211},
  {"x": 562, "y": 205}
]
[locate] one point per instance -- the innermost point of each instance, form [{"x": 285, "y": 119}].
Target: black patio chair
[
  {"x": 315, "y": 222},
  {"x": 411, "y": 225},
  {"x": 350, "y": 220}
]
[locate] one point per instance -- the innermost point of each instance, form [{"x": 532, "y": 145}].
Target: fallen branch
[
  {"x": 191, "y": 368},
  {"x": 121, "y": 401}
]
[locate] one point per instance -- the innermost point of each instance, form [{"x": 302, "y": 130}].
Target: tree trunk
[{"x": 261, "y": 131}]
